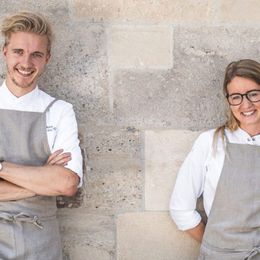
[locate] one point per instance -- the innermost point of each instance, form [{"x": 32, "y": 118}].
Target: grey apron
[
  {"x": 233, "y": 228},
  {"x": 28, "y": 227}
]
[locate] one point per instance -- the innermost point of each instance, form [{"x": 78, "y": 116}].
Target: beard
[{"x": 27, "y": 85}]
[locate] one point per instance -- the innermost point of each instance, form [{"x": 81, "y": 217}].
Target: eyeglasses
[{"x": 237, "y": 98}]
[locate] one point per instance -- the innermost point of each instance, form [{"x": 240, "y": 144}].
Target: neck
[
  {"x": 16, "y": 90},
  {"x": 252, "y": 131}
]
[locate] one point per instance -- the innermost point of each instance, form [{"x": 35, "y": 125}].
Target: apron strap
[
  {"x": 22, "y": 217},
  {"x": 225, "y": 136},
  {"x": 252, "y": 253},
  {"x": 48, "y": 107}
]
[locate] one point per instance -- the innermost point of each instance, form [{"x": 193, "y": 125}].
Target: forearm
[
  {"x": 49, "y": 180},
  {"x": 9, "y": 191},
  {"x": 197, "y": 232}
]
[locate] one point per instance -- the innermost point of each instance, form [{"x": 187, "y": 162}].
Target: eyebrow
[{"x": 35, "y": 52}]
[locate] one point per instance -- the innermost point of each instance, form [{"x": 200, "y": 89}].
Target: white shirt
[
  {"x": 62, "y": 131},
  {"x": 199, "y": 174}
]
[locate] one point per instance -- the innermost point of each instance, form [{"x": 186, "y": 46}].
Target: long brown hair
[{"x": 246, "y": 68}]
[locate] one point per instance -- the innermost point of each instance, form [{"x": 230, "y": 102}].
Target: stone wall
[{"x": 144, "y": 78}]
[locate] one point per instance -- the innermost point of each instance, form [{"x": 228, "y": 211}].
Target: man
[{"x": 39, "y": 146}]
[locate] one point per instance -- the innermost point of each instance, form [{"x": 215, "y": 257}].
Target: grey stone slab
[
  {"x": 53, "y": 7},
  {"x": 88, "y": 235},
  {"x": 167, "y": 99},
  {"x": 114, "y": 185},
  {"x": 78, "y": 71},
  {"x": 112, "y": 142}
]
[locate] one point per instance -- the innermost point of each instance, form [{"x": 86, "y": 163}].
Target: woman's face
[{"x": 247, "y": 113}]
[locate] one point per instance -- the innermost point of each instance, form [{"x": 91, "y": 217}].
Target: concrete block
[
  {"x": 244, "y": 12},
  {"x": 112, "y": 142},
  {"x": 78, "y": 72},
  {"x": 140, "y": 47},
  {"x": 153, "y": 236},
  {"x": 144, "y": 11},
  {"x": 165, "y": 100},
  {"x": 164, "y": 151},
  {"x": 58, "y": 8},
  {"x": 86, "y": 235},
  {"x": 114, "y": 185}
]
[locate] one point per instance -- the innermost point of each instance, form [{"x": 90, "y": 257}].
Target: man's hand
[
  {"x": 51, "y": 179},
  {"x": 59, "y": 158}
]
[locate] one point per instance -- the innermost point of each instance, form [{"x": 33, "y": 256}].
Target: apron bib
[
  {"x": 233, "y": 228},
  {"x": 28, "y": 227}
]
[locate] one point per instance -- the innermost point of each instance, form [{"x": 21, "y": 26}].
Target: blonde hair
[
  {"x": 246, "y": 68},
  {"x": 27, "y": 22}
]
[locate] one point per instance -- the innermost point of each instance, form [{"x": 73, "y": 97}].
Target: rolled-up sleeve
[
  {"x": 189, "y": 185},
  {"x": 67, "y": 138}
]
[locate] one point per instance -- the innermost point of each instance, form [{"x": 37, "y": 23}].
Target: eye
[
  {"x": 235, "y": 97},
  {"x": 37, "y": 55},
  {"x": 18, "y": 51},
  {"x": 254, "y": 93}
]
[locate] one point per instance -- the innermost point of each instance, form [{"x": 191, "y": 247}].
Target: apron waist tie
[
  {"x": 252, "y": 253},
  {"x": 22, "y": 217}
]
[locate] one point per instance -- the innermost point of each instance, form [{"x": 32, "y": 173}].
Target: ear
[
  {"x": 4, "y": 50},
  {"x": 48, "y": 56}
]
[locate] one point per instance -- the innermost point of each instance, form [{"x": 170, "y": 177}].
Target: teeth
[
  {"x": 25, "y": 73},
  {"x": 248, "y": 113}
]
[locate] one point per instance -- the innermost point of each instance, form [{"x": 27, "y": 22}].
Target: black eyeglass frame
[{"x": 242, "y": 97}]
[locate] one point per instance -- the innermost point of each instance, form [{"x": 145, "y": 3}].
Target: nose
[{"x": 25, "y": 61}]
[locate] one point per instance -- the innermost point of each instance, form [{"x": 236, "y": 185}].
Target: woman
[{"x": 224, "y": 167}]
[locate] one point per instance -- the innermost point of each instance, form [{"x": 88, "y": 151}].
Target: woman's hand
[
  {"x": 59, "y": 158},
  {"x": 197, "y": 232}
]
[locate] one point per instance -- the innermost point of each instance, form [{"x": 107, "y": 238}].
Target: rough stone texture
[
  {"x": 164, "y": 153},
  {"x": 114, "y": 170},
  {"x": 240, "y": 11},
  {"x": 151, "y": 11},
  {"x": 129, "y": 68},
  {"x": 140, "y": 47},
  {"x": 84, "y": 64},
  {"x": 152, "y": 235},
  {"x": 114, "y": 186},
  {"x": 86, "y": 236}
]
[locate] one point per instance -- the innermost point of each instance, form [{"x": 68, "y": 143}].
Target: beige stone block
[
  {"x": 97, "y": 10},
  {"x": 144, "y": 11},
  {"x": 140, "y": 47},
  {"x": 167, "y": 10},
  {"x": 164, "y": 153},
  {"x": 239, "y": 11},
  {"x": 153, "y": 236}
]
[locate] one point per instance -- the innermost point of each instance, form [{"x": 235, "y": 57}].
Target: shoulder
[
  {"x": 59, "y": 106},
  {"x": 205, "y": 139}
]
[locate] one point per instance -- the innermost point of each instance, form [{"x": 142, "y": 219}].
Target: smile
[
  {"x": 25, "y": 73},
  {"x": 248, "y": 113}
]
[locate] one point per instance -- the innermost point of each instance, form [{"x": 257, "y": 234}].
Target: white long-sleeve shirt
[
  {"x": 62, "y": 131},
  {"x": 199, "y": 174}
]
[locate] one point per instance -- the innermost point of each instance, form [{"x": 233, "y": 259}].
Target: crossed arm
[{"x": 52, "y": 179}]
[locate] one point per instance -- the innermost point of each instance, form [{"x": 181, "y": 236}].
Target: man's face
[{"x": 26, "y": 56}]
